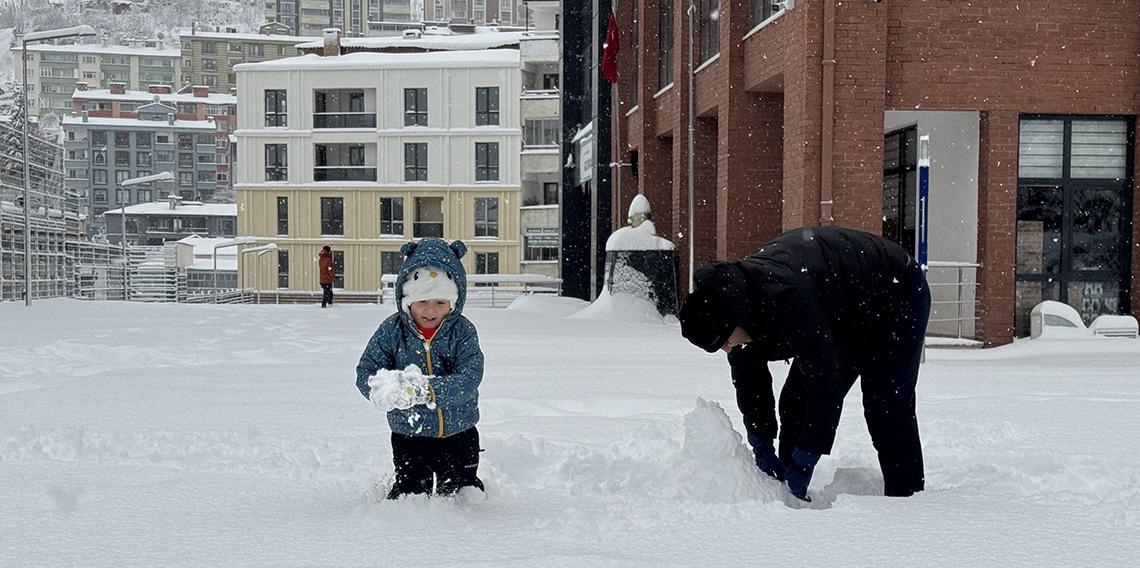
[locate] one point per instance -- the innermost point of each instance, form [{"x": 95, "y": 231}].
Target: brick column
[
  {"x": 997, "y": 220},
  {"x": 860, "y": 87},
  {"x": 655, "y": 155},
  {"x": 1135, "y": 255},
  {"x": 705, "y": 208},
  {"x": 675, "y": 105}
]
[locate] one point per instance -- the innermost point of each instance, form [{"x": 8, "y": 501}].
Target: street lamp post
[
  {"x": 160, "y": 176},
  {"x": 261, "y": 250},
  {"x": 231, "y": 243},
  {"x": 77, "y": 31}
]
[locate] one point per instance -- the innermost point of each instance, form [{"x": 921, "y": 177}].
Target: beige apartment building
[
  {"x": 208, "y": 57},
  {"x": 365, "y": 151}
]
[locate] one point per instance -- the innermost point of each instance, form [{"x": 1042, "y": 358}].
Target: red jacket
[{"x": 328, "y": 269}]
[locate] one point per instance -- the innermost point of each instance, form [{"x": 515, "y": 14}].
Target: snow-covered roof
[
  {"x": 371, "y": 61},
  {"x": 204, "y": 246},
  {"x": 137, "y": 123},
  {"x": 229, "y": 264},
  {"x": 248, "y": 37},
  {"x": 183, "y": 209},
  {"x": 105, "y": 49},
  {"x": 483, "y": 38},
  {"x": 144, "y": 96}
]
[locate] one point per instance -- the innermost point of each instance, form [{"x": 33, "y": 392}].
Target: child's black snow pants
[{"x": 450, "y": 462}]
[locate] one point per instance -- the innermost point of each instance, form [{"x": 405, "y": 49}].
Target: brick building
[{"x": 808, "y": 112}]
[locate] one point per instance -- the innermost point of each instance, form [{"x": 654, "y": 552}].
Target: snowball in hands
[{"x": 392, "y": 388}]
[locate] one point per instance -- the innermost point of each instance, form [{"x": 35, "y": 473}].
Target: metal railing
[
  {"x": 953, "y": 291},
  {"x": 490, "y": 290}
]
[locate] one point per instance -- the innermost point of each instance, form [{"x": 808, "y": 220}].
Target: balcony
[
  {"x": 344, "y": 120},
  {"x": 344, "y": 173},
  {"x": 539, "y": 47},
  {"x": 344, "y": 162},
  {"x": 344, "y": 108},
  {"x": 540, "y": 103},
  {"x": 539, "y": 160}
]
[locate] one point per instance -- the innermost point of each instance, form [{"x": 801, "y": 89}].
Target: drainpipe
[
  {"x": 692, "y": 202},
  {"x": 826, "y": 175}
]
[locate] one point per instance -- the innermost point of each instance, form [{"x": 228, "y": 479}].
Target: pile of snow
[
  {"x": 622, "y": 307},
  {"x": 547, "y": 304}
]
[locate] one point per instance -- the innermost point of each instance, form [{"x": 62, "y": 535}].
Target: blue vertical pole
[{"x": 923, "y": 200}]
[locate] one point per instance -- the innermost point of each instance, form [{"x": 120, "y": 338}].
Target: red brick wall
[
  {"x": 997, "y": 219},
  {"x": 1033, "y": 56}
]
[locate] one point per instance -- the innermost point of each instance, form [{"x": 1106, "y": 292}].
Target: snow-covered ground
[{"x": 190, "y": 435}]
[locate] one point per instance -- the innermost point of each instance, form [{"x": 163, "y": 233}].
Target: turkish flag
[{"x": 610, "y": 51}]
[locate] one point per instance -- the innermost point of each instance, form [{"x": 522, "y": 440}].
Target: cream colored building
[{"x": 366, "y": 151}]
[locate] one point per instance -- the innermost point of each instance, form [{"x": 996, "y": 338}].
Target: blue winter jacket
[{"x": 452, "y": 356}]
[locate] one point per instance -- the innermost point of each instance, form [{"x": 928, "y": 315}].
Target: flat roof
[{"x": 373, "y": 60}]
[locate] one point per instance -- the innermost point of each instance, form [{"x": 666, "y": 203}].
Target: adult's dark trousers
[
  {"x": 326, "y": 294},
  {"x": 451, "y": 463},
  {"x": 888, "y": 369}
]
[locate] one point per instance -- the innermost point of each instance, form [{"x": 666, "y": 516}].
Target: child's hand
[{"x": 399, "y": 389}]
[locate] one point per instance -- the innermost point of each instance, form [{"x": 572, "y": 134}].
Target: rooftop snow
[
  {"x": 482, "y": 39},
  {"x": 136, "y": 122},
  {"x": 144, "y": 96},
  {"x": 105, "y": 49},
  {"x": 370, "y": 61},
  {"x": 186, "y": 208}
]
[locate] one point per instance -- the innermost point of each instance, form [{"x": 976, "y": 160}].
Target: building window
[
  {"x": 429, "y": 217},
  {"x": 143, "y": 159},
  {"x": 710, "y": 29},
  {"x": 486, "y": 216},
  {"x": 99, "y": 177},
  {"x": 392, "y": 216},
  {"x": 142, "y": 139},
  {"x": 123, "y": 196},
  {"x": 122, "y": 175},
  {"x": 332, "y": 216},
  {"x": 486, "y": 161},
  {"x": 185, "y": 179},
  {"x": 900, "y": 164},
  {"x": 275, "y": 108},
  {"x": 338, "y": 263},
  {"x": 540, "y": 244},
  {"x": 209, "y": 47},
  {"x": 486, "y": 263},
  {"x": 276, "y": 162},
  {"x": 144, "y": 195},
  {"x": 390, "y": 262},
  {"x": 122, "y": 158},
  {"x": 541, "y": 131},
  {"x": 164, "y": 156},
  {"x": 206, "y": 159},
  {"x": 256, "y": 49},
  {"x": 122, "y": 138},
  {"x": 209, "y": 65},
  {"x": 415, "y": 107},
  {"x": 634, "y": 48},
  {"x": 185, "y": 141},
  {"x": 282, "y": 215},
  {"x": 760, "y": 10},
  {"x": 99, "y": 195},
  {"x": 282, "y": 269},
  {"x": 185, "y": 160},
  {"x": 415, "y": 161},
  {"x": 1074, "y": 212},
  {"x": 550, "y": 81},
  {"x": 486, "y": 106},
  {"x": 550, "y": 193},
  {"x": 665, "y": 44}
]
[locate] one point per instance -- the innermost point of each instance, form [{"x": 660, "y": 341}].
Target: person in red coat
[{"x": 328, "y": 275}]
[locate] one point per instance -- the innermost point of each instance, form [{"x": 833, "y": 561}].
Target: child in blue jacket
[{"x": 423, "y": 365}]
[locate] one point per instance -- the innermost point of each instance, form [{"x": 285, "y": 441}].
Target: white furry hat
[{"x": 429, "y": 283}]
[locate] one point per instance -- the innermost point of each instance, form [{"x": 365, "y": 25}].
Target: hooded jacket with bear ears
[{"x": 452, "y": 356}]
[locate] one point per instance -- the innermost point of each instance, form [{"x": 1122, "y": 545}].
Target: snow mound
[
  {"x": 710, "y": 465},
  {"x": 560, "y": 306},
  {"x": 622, "y": 307}
]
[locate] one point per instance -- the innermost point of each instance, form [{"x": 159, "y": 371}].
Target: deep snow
[{"x": 197, "y": 435}]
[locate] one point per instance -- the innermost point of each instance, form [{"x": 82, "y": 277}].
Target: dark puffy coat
[{"x": 830, "y": 298}]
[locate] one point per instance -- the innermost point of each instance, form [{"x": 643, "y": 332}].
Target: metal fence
[{"x": 953, "y": 291}]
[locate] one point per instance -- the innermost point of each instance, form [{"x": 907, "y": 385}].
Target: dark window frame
[
  {"x": 486, "y": 161},
  {"x": 332, "y": 216},
  {"x": 415, "y": 106},
  {"x": 486, "y": 106}
]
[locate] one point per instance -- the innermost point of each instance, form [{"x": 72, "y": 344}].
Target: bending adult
[{"x": 841, "y": 304}]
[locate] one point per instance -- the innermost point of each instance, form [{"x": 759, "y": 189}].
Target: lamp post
[
  {"x": 160, "y": 176},
  {"x": 230, "y": 243},
  {"x": 261, "y": 250},
  {"x": 77, "y": 31}
]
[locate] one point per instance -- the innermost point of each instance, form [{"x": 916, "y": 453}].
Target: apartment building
[
  {"x": 171, "y": 219},
  {"x": 102, "y": 153},
  {"x": 54, "y": 69},
  {"x": 190, "y": 104},
  {"x": 478, "y": 12},
  {"x": 540, "y": 54},
  {"x": 311, "y": 17},
  {"x": 208, "y": 57},
  {"x": 365, "y": 151}
]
